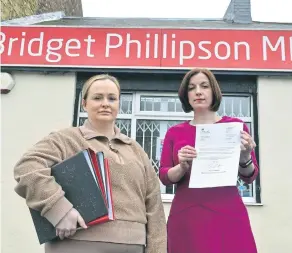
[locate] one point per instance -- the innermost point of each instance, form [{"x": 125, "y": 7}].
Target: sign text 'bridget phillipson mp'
[{"x": 146, "y": 48}]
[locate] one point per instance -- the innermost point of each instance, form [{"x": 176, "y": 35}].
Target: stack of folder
[{"x": 85, "y": 179}]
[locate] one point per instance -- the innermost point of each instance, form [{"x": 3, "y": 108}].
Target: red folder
[{"x": 102, "y": 173}]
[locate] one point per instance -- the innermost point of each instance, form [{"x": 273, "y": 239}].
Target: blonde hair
[{"x": 92, "y": 79}]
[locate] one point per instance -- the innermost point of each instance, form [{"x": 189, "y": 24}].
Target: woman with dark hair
[{"x": 206, "y": 220}]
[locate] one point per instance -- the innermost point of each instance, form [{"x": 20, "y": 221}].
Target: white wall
[
  {"x": 37, "y": 105},
  {"x": 272, "y": 223}
]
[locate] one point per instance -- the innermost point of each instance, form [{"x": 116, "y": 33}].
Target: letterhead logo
[{"x": 205, "y": 131}]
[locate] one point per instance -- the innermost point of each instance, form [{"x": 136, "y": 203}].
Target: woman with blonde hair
[{"x": 140, "y": 221}]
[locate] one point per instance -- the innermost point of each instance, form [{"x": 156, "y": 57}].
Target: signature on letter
[{"x": 215, "y": 166}]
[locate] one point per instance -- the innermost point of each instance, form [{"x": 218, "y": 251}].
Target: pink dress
[{"x": 211, "y": 220}]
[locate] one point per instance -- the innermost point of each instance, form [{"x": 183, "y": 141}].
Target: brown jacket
[{"x": 138, "y": 206}]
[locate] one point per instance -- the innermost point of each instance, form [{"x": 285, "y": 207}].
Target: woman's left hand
[{"x": 247, "y": 145}]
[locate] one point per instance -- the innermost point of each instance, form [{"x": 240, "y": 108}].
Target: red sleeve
[
  {"x": 166, "y": 160},
  {"x": 251, "y": 178}
]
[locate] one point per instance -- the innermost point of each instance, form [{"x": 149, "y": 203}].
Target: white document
[{"x": 218, "y": 152}]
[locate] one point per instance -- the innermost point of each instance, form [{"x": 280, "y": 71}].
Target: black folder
[{"x": 77, "y": 177}]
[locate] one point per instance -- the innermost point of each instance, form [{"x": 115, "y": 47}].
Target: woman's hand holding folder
[{"x": 68, "y": 225}]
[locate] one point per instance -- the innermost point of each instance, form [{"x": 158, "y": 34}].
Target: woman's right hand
[
  {"x": 67, "y": 226},
  {"x": 185, "y": 156}
]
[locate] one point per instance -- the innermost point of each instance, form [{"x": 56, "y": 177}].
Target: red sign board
[{"x": 87, "y": 47}]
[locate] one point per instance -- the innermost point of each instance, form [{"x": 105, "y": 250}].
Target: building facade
[{"x": 48, "y": 63}]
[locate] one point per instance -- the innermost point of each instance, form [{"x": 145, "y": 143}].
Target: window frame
[{"x": 175, "y": 116}]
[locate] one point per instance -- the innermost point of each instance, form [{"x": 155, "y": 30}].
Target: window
[{"x": 146, "y": 117}]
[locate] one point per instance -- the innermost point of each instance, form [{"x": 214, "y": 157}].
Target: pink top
[
  {"x": 209, "y": 219},
  {"x": 184, "y": 134}
]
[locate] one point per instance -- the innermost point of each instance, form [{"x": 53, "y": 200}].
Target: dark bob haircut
[{"x": 183, "y": 89}]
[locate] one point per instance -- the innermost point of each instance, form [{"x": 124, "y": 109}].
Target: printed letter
[
  {"x": 236, "y": 50},
  {"x": 228, "y": 50},
  {"x": 3, "y": 38},
  {"x": 108, "y": 45},
  {"x": 209, "y": 55},
  {"x": 128, "y": 44},
  {"x": 50, "y": 50},
  {"x": 40, "y": 42},
  {"x": 280, "y": 41},
  {"x": 182, "y": 55},
  {"x": 76, "y": 46},
  {"x": 89, "y": 40}
]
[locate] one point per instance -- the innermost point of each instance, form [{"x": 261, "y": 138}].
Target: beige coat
[{"x": 140, "y": 217}]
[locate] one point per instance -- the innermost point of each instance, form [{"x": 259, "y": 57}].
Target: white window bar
[{"x": 131, "y": 112}]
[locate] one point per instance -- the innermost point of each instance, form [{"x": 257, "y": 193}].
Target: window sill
[
  {"x": 254, "y": 204},
  {"x": 167, "y": 198}
]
